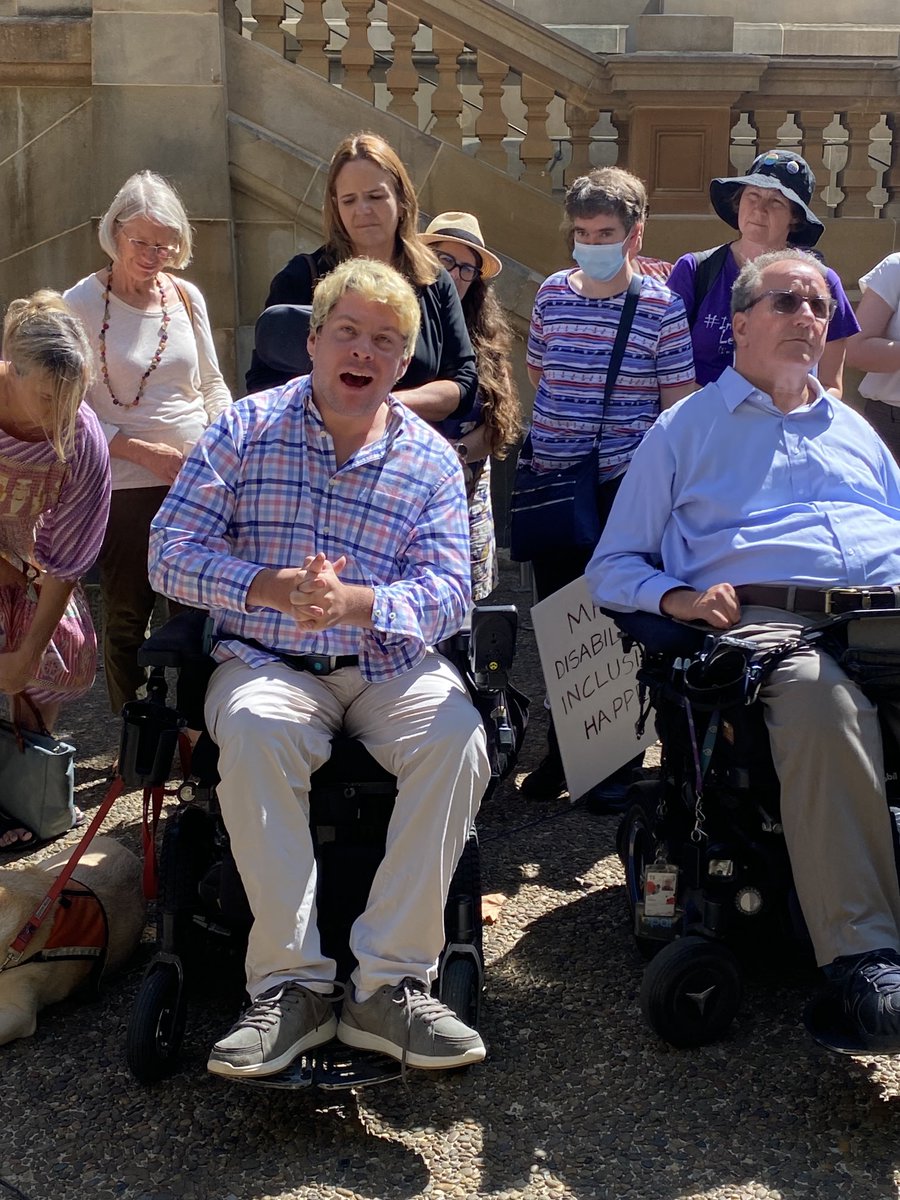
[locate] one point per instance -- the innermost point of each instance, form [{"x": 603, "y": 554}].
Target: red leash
[{"x": 34, "y": 922}]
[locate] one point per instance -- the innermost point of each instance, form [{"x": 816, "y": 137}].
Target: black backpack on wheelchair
[
  {"x": 707, "y": 873},
  {"x": 203, "y": 917}
]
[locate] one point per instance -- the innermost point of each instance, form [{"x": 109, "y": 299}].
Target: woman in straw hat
[{"x": 494, "y": 422}]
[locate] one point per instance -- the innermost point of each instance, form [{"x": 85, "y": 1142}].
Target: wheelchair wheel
[
  {"x": 691, "y": 992},
  {"x": 637, "y": 845},
  {"x": 156, "y": 1025},
  {"x": 460, "y": 989}
]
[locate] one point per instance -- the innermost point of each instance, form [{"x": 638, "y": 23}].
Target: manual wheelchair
[
  {"x": 203, "y": 917},
  {"x": 707, "y": 874}
]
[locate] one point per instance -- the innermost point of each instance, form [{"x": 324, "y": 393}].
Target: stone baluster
[
  {"x": 313, "y": 34},
  {"x": 446, "y": 99},
  {"x": 620, "y": 119},
  {"x": 231, "y": 16},
  {"x": 536, "y": 149},
  {"x": 402, "y": 78},
  {"x": 492, "y": 125},
  {"x": 768, "y": 121},
  {"x": 357, "y": 55},
  {"x": 857, "y": 178},
  {"x": 891, "y": 179},
  {"x": 268, "y": 15},
  {"x": 814, "y": 123},
  {"x": 580, "y": 122}
]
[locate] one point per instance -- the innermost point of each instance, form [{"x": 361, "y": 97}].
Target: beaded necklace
[{"x": 154, "y": 361}]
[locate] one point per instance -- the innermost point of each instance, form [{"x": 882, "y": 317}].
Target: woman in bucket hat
[
  {"x": 769, "y": 207},
  {"x": 495, "y": 421}
]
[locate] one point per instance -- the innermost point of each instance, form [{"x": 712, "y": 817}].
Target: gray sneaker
[
  {"x": 406, "y": 1022},
  {"x": 278, "y": 1025}
]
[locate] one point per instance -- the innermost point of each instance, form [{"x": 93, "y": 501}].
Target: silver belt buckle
[{"x": 865, "y": 598}]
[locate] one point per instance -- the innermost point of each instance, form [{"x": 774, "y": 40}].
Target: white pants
[{"x": 273, "y": 727}]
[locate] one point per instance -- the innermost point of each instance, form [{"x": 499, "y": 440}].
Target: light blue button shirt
[{"x": 725, "y": 488}]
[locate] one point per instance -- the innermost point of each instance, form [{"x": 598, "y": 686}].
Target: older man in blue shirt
[{"x": 743, "y": 505}]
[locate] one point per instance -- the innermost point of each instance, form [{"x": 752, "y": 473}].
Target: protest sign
[{"x": 592, "y": 686}]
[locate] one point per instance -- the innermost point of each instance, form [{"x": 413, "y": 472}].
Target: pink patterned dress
[{"x": 52, "y": 520}]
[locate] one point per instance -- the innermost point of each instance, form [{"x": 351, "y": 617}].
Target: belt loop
[
  {"x": 896, "y": 590},
  {"x": 791, "y": 604}
]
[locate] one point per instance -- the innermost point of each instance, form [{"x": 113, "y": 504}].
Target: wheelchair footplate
[
  {"x": 332, "y": 1068},
  {"x": 828, "y": 1027}
]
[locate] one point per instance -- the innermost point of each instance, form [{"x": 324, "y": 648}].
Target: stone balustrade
[{"x": 514, "y": 94}]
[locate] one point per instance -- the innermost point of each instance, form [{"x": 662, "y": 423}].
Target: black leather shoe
[
  {"x": 868, "y": 987},
  {"x": 546, "y": 782}
]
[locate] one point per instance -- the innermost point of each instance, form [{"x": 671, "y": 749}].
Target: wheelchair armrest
[
  {"x": 182, "y": 637},
  {"x": 659, "y": 634}
]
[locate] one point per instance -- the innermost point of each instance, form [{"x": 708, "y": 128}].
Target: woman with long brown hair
[{"x": 371, "y": 211}]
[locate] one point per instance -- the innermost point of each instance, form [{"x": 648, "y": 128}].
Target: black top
[{"x": 443, "y": 349}]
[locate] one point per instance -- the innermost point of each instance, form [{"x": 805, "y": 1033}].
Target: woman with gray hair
[
  {"x": 54, "y": 498},
  {"x": 158, "y": 386}
]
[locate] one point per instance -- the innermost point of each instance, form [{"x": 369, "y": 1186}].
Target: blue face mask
[{"x": 601, "y": 263}]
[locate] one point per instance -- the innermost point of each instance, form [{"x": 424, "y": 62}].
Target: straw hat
[
  {"x": 785, "y": 172},
  {"x": 463, "y": 228}
]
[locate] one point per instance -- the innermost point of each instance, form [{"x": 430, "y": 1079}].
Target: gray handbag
[{"x": 37, "y": 779}]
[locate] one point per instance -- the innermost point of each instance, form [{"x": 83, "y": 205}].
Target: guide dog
[{"x": 95, "y": 926}]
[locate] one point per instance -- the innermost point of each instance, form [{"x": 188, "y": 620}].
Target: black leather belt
[
  {"x": 818, "y": 600},
  {"x": 316, "y": 664}
]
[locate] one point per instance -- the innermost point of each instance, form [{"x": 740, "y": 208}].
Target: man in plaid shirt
[{"x": 325, "y": 528}]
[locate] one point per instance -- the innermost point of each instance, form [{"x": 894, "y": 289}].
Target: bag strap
[
  {"x": 708, "y": 266},
  {"x": 185, "y": 298},
  {"x": 618, "y": 351},
  {"x": 36, "y": 712}
]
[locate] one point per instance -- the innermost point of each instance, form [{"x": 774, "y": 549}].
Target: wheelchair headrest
[{"x": 281, "y": 333}]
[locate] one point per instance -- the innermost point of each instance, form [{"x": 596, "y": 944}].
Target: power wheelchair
[
  {"x": 203, "y": 917},
  {"x": 708, "y": 878}
]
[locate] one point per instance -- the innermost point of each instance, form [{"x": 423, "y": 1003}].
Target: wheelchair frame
[
  {"x": 708, "y": 877},
  {"x": 201, "y": 904}
]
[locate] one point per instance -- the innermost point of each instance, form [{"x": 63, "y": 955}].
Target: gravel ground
[{"x": 578, "y": 1099}]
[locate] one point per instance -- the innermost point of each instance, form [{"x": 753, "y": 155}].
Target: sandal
[{"x": 25, "y": 838}]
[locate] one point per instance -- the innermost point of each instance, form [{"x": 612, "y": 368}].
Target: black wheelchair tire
[
  {"x": 156, "y": 1026},
  {"x": 691, "y": 992},
  {"x": 460, "y": 989}
]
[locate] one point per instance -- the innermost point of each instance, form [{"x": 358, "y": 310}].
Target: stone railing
[{"x": 517, "y": 96}]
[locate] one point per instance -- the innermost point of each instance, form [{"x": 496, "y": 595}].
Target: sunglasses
[
  {"x": 467, "y": 271},
  {"x": 787, "y": 304}
]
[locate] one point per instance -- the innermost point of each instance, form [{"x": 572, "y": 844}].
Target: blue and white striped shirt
[
  {"x": 570, "y": 342},
  {"x": 262, "y": 489}
]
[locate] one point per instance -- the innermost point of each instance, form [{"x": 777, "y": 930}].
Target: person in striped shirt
[
  {"x": 325, "y": 527},
  {"x": 573, "y": 328}
]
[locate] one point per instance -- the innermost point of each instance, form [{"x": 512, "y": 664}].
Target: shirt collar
[
  {"x": 735, "y": 389},
  {"x": 397, "y": 412}
]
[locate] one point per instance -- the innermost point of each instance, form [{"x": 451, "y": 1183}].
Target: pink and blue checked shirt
[{"x": 261, "y": 489}]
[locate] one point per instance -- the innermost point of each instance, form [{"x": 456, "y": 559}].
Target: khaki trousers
[
  {"x": 827, "y": 750},
  {"x": 273, "y": 727}
]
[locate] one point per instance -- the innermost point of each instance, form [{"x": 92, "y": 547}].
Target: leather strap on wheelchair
[
  {"x": 153, "y": 802},
  {"x": 37, "y": 918}
]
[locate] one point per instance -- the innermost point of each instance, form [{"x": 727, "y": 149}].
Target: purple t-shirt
[{"x": 711, "y": 330}]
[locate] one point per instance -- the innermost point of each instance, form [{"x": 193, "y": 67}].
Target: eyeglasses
[
  {"x": 787, "y": 304},
  {"x": 467, "y": 271},
  {"x": 163, "y": 252}
]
